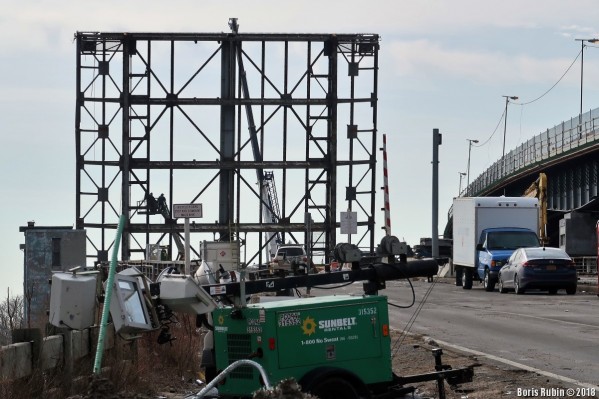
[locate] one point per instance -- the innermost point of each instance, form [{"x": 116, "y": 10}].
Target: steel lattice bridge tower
[{"x": 199, "y": 117}]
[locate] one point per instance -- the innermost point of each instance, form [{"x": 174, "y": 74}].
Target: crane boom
[{"x": 268, "y": 198}]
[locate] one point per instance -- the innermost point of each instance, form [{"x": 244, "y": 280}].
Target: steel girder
[{"x": 164, "y": 113}]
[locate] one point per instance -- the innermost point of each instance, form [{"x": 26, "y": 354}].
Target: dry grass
[{"x": 134, "y": 369}]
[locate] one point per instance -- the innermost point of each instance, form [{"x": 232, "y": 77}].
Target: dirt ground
[{"x": 491, "y": 380}]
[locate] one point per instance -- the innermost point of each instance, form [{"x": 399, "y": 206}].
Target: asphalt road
[{"x": 558, "y": 334}]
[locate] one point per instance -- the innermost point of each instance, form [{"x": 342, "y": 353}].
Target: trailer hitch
[{"x": 442, "y": 373}]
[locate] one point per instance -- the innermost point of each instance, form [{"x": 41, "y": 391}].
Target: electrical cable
[
  {"x": 413, "y": 299},
  {"x": 411, "y": 286},
  {"x": 410, "y": 323},
  {"x": 494, "y": 131},
  {"x": 399, "y": 341},
  {"x": 530, "y": 102},
  {"x": 552, "y": 87},
  {"x": 335, "y": 287}
]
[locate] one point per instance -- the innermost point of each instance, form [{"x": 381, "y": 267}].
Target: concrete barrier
[
  {"x": 15, "y": 360},
  {"x": 21, "y": 359}
]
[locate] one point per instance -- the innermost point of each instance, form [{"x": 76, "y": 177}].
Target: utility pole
[
  {"x": 437, "y": 138},
  {"x": 507, "y": 100}
]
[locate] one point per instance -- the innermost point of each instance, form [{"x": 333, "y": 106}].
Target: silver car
[
  {"x": 543, "y": 268},
  {"x": 291, "y": 258}
]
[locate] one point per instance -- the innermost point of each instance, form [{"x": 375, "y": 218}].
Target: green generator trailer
[
  {"x": 338, "y": 343},
  {"x": 335, "y": 347}
]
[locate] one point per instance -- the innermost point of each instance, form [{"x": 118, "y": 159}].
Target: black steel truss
[{"x": 166, "y": 113}]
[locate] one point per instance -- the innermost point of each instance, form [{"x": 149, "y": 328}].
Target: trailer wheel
[
  {"x": 467, "y": 279},
  {"x": 334, "y": 388}
]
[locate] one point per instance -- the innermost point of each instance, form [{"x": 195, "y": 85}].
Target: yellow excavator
[{"x": 538, "y": 189}]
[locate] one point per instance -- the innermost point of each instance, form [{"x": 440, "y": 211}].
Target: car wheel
[
  {"x": 571, "y": 290},
  {"x": 517, "y": 287},
  {"x": 502, "y": 289},
  {"x": 553, "y": 291},
  {"x": 488, "y": 282}
]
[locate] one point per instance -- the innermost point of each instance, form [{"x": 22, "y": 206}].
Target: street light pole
[
  {"x": 462, "y": 174},
  {"x": 582, "y": 70},
  {"x": 470, "y": 141},
  {"x": 507, "y": 100},
  {"x": 437, "y": 140}
]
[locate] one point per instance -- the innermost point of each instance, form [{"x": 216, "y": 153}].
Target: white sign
[
  {"x": 187, "y": 210},
  {"x": 349, "y": 222}
]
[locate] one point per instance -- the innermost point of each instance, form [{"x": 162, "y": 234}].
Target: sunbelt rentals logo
[{"x": 310, "y": 325}]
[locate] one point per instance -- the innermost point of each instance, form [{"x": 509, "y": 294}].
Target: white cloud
[
  {"x": 578, "y": 31},
  {"x": 43, "y": 24},
  {"x": 422, "y": 58}
]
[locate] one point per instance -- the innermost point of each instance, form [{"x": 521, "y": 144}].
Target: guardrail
[
  {"x": 586, "y": 264},
  {"x": 577, "y": 133}
]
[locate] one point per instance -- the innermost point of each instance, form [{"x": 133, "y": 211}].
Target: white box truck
[{"x": 486, "y": 231}]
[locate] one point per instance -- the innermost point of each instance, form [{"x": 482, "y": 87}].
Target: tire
[
  {"x": 571, "y": 290},
  {"x": 502, "y": 289},
  {"x": 467, "y": 279},
  {"x": 458, "y": 276},
  {"x": 210, "y": 373},
  {"x": 519, "y": 290},
  {"x": 334, "y": 388},
  {"x": 488, "y": 282},
  {"x": 553, "y": 291}
]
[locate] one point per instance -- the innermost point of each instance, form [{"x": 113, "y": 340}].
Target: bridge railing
[{"x": 560, "y": 139}]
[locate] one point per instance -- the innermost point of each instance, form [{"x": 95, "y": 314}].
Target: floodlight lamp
[
  {"x": 73, "y": 300},
  {"x": 128, "y": 306},
  {"x": 182, "y": 294}
]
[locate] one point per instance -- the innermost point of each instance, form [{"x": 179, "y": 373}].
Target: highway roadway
[{"x": 555, "y": 334}]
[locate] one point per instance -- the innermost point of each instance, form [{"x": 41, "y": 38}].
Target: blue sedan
[{"x": 542, "y": 268}]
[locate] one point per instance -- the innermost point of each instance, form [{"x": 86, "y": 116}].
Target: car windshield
[{"x": 511, "y": 239}]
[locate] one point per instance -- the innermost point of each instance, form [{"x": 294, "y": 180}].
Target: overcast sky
[{"x": 443, "y": 64}]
